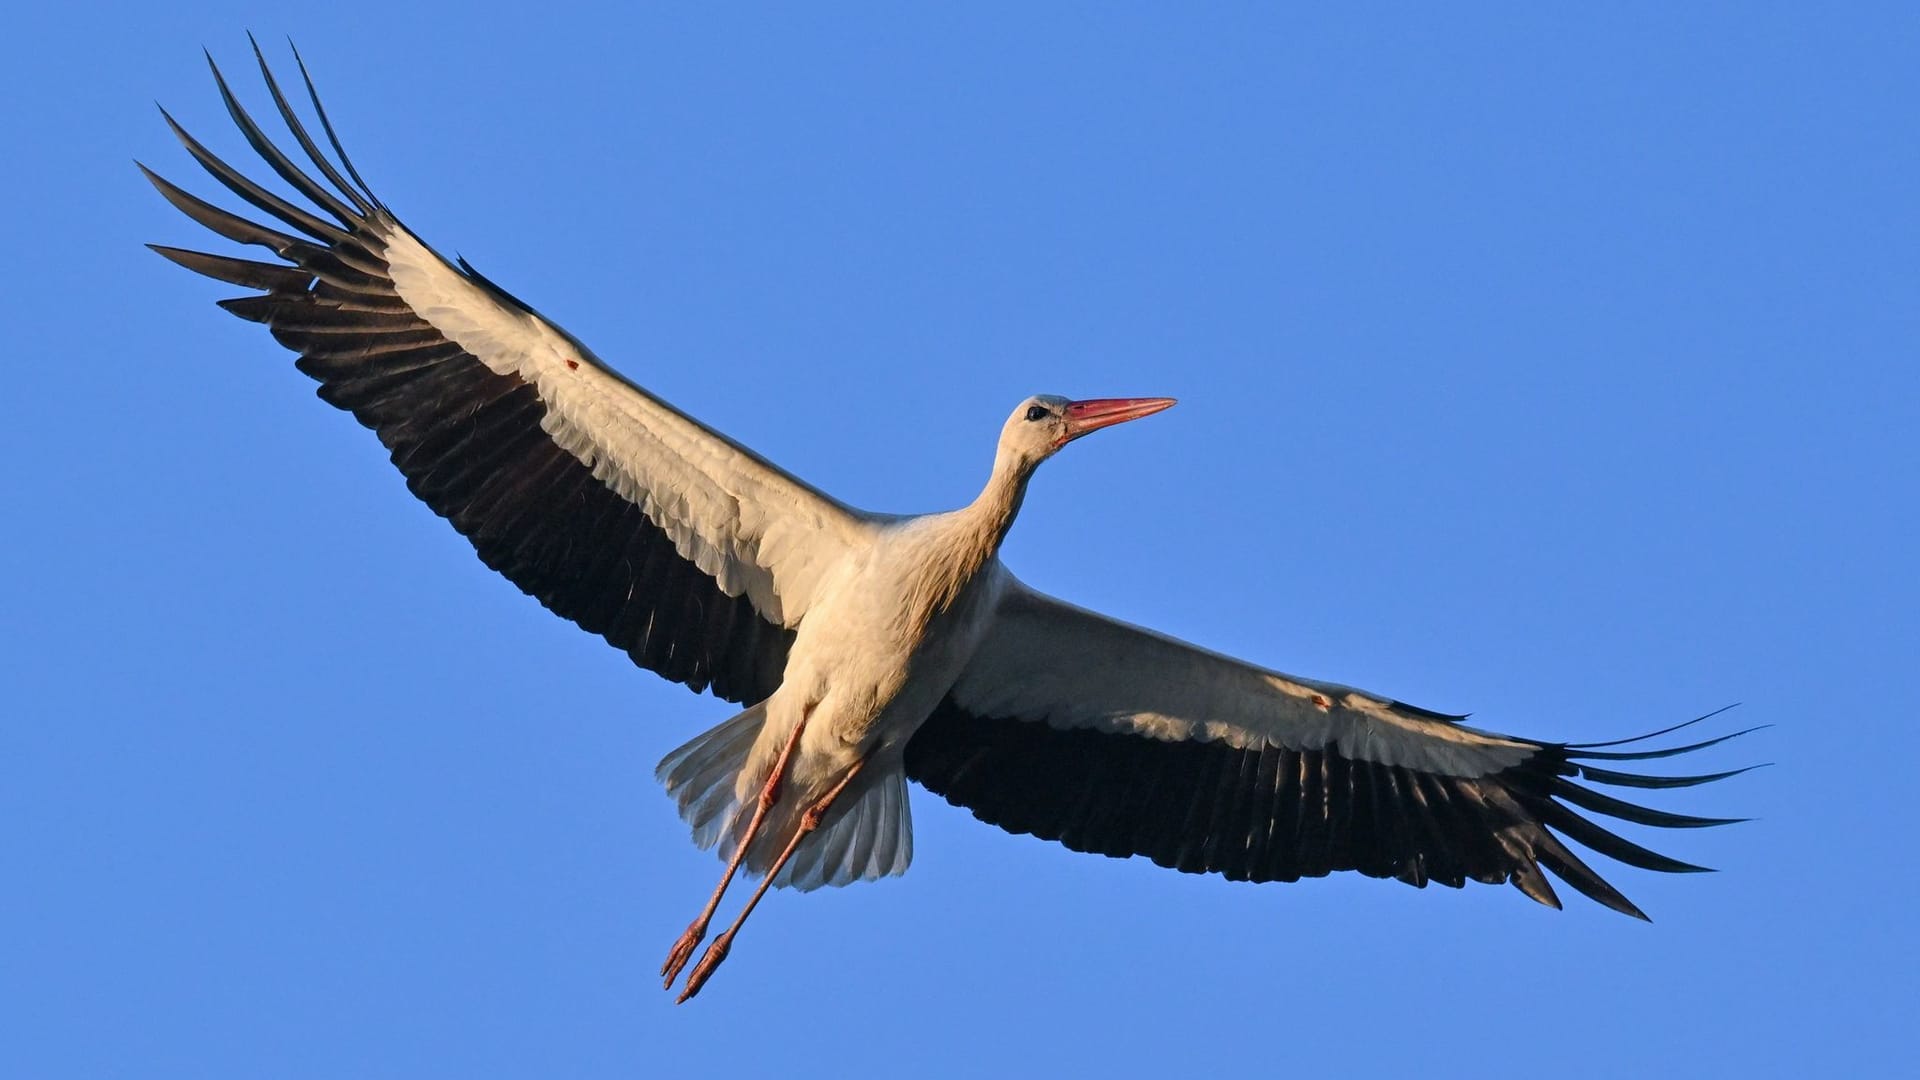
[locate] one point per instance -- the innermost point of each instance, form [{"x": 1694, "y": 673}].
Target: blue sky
[{"x": 1555, "y": 367}]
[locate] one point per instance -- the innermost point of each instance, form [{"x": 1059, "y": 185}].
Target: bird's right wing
[
  {"x": 1113, "y": 739},
  {"x": 679, "y": 546}
]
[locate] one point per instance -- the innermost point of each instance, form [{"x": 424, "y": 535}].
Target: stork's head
[{"x": 1044, "y": 423}]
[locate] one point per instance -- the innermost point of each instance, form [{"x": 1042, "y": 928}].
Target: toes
[
  {"x": 704, "y": 969},
  {"x": 676, "y": 959}
]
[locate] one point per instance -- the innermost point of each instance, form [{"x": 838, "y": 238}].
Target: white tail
[
  {"x": 868, "y": 834},
  {"x": 703, "y": 774}
]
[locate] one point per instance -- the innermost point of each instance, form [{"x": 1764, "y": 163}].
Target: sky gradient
[{"x": 1556, "y": 368}]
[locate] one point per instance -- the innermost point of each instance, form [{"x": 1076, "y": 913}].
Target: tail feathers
[
  {"x": 702, "y": 776},
  {"x": 870, "y": 837},
  {"x": 867, "y": 835}
]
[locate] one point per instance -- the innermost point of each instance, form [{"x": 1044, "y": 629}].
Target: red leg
[
  {"x": 769, "y": 794},
  {"x": 808, "y": 823}
]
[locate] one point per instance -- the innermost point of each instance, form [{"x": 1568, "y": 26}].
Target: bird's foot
[
  {"x": 704, "y": 969},
  {"x": 682, "y": 952}
]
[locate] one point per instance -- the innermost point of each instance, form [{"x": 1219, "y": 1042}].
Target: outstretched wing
[
  {"x": 1112, "y": 739},
  {"x": 679, "y": 546}
]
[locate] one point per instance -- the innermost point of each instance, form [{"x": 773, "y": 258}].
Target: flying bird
[{"x": 870, "y": 649}]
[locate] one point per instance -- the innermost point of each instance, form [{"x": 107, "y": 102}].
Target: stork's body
[
  {"x": 871, "y": 649},
  {"x": 891, "y": 631},
  {"x": 890, "y": 636}
]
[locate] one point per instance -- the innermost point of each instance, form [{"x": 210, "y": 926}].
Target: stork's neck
[{"x": 991, "y": 514}]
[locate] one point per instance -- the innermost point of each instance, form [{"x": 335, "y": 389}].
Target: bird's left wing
[
  {"x": 682, "y": 548},
  {"x": 1113, "y": 739}
]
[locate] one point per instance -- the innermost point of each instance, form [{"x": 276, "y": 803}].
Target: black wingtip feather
[
  {"x": 1573, "y": 870},
  {"x": 361, "y": 207},
  {"x": 1649, "y": 755},
  {"x": 1654, "y": 734},
  {"x": 260, "y": 197},
  {"x": 1638, "y": 780},
  {"x": 275, "y": 157},
  {"x": 1618, "y": 848},
  {"x": 1589, "y": 799},
  {"x": 231, "y": 226},
  {"x": 244, "y": 272},
  {"x": 327, "y": 126},
  {"x": 1534, "y": 886},
  {"x": 260, "y": 309}
]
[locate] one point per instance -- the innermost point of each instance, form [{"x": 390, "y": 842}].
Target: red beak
[{"x": 1092, "y": 415}]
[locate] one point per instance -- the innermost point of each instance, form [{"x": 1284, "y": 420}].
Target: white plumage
[{"x": 870, "y": 649}]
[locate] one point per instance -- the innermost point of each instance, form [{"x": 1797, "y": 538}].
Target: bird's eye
[{"x": 1036, "y": 412}]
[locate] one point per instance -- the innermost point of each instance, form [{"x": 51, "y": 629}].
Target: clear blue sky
[{"x": 1559, "y": 368}]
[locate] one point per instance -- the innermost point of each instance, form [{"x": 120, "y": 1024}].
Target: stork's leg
[
  {"x": 769, "y": 794},
  {"x": 809, "y": 822}
]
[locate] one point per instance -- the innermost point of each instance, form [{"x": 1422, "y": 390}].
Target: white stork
[{"x": 871, "y": 649}]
